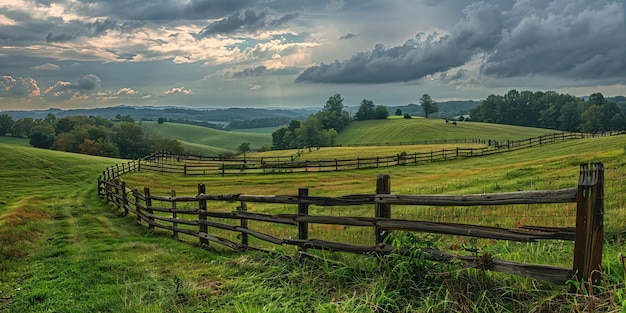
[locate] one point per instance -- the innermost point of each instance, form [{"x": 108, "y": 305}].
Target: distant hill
[
  {"x": 154, "y": 113},
  {"x": 208, "y": 141},
  {"x": 420, "y": 129},
  {"x": 446, "y": 108}
]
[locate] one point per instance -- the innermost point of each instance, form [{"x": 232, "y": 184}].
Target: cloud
[
  {"x": 18, "y": 87},
  {"x": 76, "y": 29},
  {"x": 569, "y": 39},
  {"x": 263, "y": 70},
  {"x": 47, "y": 67},
  {"x": 179, "y": 90},
  {"x": 88, "y": 82},
  {"x": 127, "y": 92},
  {"x": 246, "y": 21},
  {"x": 348, "y": 36}
]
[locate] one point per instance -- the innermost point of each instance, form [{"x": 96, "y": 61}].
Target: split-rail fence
[
  {"x": 198, "y": 221},
  {"x": 187, "y": 164}
]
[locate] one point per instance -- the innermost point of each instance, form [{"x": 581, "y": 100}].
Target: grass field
[
  {"x": 208, "y": 141},
  {"x": 65, "y": 250},
  {"x": 420, "y": 129}
]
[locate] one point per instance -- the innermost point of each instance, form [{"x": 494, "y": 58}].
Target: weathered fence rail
[
  {"x": 174, "y": 214},
  {"x": 185, "y": 164}
]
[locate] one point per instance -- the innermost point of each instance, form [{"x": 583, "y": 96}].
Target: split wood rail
[
  {"x": 186, "y": 164},
  {"x": 200, "y": 222}
]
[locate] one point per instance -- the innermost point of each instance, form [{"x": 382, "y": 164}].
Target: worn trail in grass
[{"x": 64, "y": 250}]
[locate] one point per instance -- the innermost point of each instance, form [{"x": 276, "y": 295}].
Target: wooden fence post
[
  {"x": 124, "y": 198},
  {"x": 149, "y": 210},
  {"x": 243, "y": 222},
  {"x": 202, "y": 216},
  {"x": 589, "y": 224},
  {"x": 383, "y": 186},
  {"x": 303, "y": 209},
  {"x": 174, "y": 214}
]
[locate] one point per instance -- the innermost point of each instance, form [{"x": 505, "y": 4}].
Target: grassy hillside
[
  {"x": 64, "y": 250},
  {"x": 207, "y": 141},
  {"x": 420, "y": 129}
]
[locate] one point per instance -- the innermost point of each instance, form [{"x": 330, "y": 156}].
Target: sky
[{"x": 289, "y": 53}]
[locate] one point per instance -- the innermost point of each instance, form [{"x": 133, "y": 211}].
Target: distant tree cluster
[
  {"x": 92, "y": 135},
  {"x": 552, "y": 110},
  {"x": 196, "y": 123},
  {"x": 259, "y": 122},
  {"x": 320, "y": 129},
  {"x": 368, "y": 111}
]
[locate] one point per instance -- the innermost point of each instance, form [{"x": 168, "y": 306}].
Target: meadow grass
[
  {"x": 65, "y": 250},
  {"x": 215, "y": 140},
  {"x": 351, "y": 153},
  {"x": 419, "y": 129}
]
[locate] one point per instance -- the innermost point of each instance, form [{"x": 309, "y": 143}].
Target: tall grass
[{"x": 64, "y": 250}]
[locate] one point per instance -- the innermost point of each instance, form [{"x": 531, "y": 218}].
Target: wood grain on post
[
  {"x": 383, "y": 186},
  {"x": 589, "y": 224},
  {"x": 174, "y": 214},
  {"x": 201, "y": 216},
  {"x": 303, "y": 210},
  {"x": 243, "y": 223},
  {"x": 146, "y": 191}
]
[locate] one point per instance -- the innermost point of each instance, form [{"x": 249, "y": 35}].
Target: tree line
[
  {"x": 552, "y": 110},
  {"x": 322, "y": 128},
  {"x": 93, "y": 135}
]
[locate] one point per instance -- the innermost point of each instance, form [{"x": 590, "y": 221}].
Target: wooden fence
[
  {"x": 185, "y": 164},
  {"x": 198, "y": 221}
]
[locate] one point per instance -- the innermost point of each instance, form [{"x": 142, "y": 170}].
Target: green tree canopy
[{"x": 428, "y": 105}]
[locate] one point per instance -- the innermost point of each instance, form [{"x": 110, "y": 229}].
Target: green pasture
[
  {"x": 352, "y": 153},
  {"x": 208, "y": 141},
  {"x": 65, "y": 250},
  {"x": 410, "y": 130}
]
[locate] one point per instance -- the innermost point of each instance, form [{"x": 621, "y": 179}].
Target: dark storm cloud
[
  {"x": 71, "y": 31},
  {"x": 246, "y": 21},
  {"x": 348, "y": 36},
  {"x": 27, "y": 31},
  {"x": 417, "y": 57},
  {"x": 87, "y": 82},
  {"x": 163, "y": 10},
  {"x": 572, "y": 39},
  {"x": 209, "y": 9},
  {"x": 262, "y": 70}
]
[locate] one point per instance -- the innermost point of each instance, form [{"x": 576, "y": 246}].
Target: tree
[
  {"x": 310, "y": 132},
  {"x": 23, "y": 127},
  {"x": 243, "y": 148},
  {"x": 128, "y": 137},
  {"x": 161, "y": 120},
  {"x": 366, "y": 110},
  {"x": 428, "y": 105},
  {"x": 41, "y": 140},
  {"x": 593, "y": 118},
  {"x": 399, "y": 112},
  {"x": 333, "y": 116},
  {"x": 407, "y": 115},
  {"x": 6, "y": 124},
  {"x": 381, "y": 113}
]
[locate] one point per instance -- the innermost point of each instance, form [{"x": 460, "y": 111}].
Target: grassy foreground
[{"x": 64, "y": 250}]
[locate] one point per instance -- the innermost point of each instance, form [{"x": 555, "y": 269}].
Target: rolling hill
[
  {"x": 420, "y": 129},
  {"x": 208, "y": 141}
]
